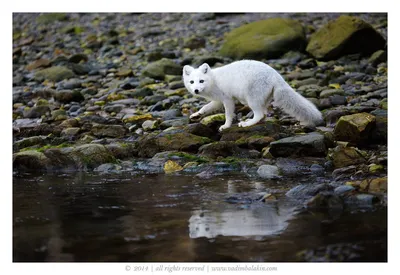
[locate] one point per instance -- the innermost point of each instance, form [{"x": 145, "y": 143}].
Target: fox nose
[{"x": 196, "y": 91}]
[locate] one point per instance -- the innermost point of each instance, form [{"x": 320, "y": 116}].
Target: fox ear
[
  {"x": 187, "y": 69},
  {"x": 204, "y": 68}
]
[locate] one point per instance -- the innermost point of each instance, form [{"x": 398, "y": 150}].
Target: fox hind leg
[{"x": 258, "y": 114}]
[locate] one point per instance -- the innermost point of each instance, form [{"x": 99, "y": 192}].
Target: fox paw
[
  {"x": 195, "y": 115},
  {"x": 223, "y": 127},
  {"x": 243, "y": 124}
]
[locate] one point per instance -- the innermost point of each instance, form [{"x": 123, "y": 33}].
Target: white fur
[{"x": 252, "y": 83}]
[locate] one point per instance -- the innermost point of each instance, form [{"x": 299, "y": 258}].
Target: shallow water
[{"x": 158, "y": 218}]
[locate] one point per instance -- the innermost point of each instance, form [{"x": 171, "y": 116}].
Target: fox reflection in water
[{"x": 253, "y": 220}]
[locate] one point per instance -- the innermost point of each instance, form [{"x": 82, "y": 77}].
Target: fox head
[{"x": 197, "y": 81}]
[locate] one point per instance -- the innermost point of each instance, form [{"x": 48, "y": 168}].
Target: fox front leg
[
  {"x": 208, "y": 108},
  {"x": 229, "y": 106}
]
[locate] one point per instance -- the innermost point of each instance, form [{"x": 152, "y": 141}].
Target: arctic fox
[{"x": 252, "y": 83}]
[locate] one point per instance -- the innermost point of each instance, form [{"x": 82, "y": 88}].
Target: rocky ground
[{"x": 104, "y": 92}]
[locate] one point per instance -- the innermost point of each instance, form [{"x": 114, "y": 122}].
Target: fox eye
[
  {"x": 191, "y": 81},
  {"x": 201, "y": 81}
]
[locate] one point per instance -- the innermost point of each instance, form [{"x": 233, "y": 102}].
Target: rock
[
  {"x": 108, "y": 168},
  {"x": 124, "y": 72},
  {"x": 137, "y": 118},
  {"x": 114, "y": 131},
  {"x": 151, "y": 144},
  {"x": 305, "y": 191},
  {"x": 346, "y": 156},
  {"x": 331, "y": 92},
  {"x": 361, "y": 200},
  {"x": 355, "y": 128},
  {"x": 268, "y": 38},
  {"x": 292, "y": 167},
  {"x": 375, "y": 168},
  {"x": 40, "y": 63},
  {"x": 160, "y": 68},
  {"x": 29, "y": 141},
  {"x": 268, "y": 172},
  {"x": 376, "y": 185},
  {"x": 378, "y": 57},
  {"x": 380, "y": 132},
  {"x": 194, "y": 43},
  {"x": 30, "y": 160},
  {"x": 87, "y": 156},
  {"x": 176, "y": 122},
  {"x": 311, "y": 144},
  {"x": 345, "y": 35},
  {"x": 150, "y": 125},
  {"x": 67, "y": 96},
  {"x": 55, "y": 74},
  {"x": 226, "y": 149},
  {"x": 78, "y": 57},
  {"x": 317, "y": 169},
  {"x": 70, "y": 132},
  {"x": 255, "y": 142},
  {"x": 36, "y": 111},
  {"x": 270, "y": 129},
  {"x": 344, "y": 190},
  {"x": 71, "y": 84},
  {"x": 213, "y": 120},
  {"x": 200, "y": 130},
  {"x": 344, "y": 172}
]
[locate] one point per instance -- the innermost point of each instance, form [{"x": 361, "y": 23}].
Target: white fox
[{"x": 252, "y": 83}]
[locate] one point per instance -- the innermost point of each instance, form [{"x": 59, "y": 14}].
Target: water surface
[{"x": 157, "y": 218}]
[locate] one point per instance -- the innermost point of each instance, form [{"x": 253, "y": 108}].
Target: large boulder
[
  {"x": 268, "y": 38},
  {"x": 345, "y": 35},
  {"x": 312, "y": 144},
  {"x": 355, "y": 128}
]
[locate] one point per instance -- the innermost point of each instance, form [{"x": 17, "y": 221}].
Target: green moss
[
  {"x": 189, "y": 157},
  {"x": 48, "y": 146},
  {"x": 47, "y": 18}
]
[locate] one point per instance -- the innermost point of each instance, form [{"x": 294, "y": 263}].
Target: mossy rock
[
  {"x": 226, "y": 149},
  {"x": 105, "y": 130},
  {"x": 67, "y": 96},
  {"x": 235, "y": 133},
  {"x": 138, "y": 118},
  {"x": 377, "y": 185},
  {"x": 151, "y": 144},
  {"x": 160, "y": 68},
  {"x": 268, "y": 38},
  {"x": 213, "y": 119},
  {"x": 47, "y": 18},
  {"x": 90, "y": 156},
  {"x": 36, "y": 111},
  {"x": 345, "y": 35},
  {"x": 30, "y": 160},
  {"x": 29, "y": 141},
  {"x": 355, "y": 128},
  {"x": 346, "y": 156},
  {"x": 56, "y": 74}
]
